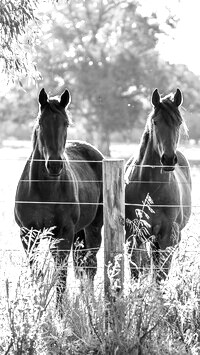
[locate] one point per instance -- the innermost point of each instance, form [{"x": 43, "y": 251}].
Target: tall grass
[{"x": 146, "y": 318}]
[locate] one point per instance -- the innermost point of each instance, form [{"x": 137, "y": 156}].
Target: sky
[{"x": 184, "y": 48}]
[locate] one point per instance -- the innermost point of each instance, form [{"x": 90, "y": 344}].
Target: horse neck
[
  {"x": 37, "y": 164},
  {"x": 148, "y": 156},
  {"x": 37, "y": 172}
]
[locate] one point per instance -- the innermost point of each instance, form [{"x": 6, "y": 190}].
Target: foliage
[
  {"x": 140, "y": 242},
  {"x": 144, "y": 319},
  {"x": 26, "y": 306},
  {"x": 14, "y": 17},
  {"x": 18, "y": 28}
]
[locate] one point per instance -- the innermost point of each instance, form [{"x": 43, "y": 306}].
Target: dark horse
[
  {"x": 163, "y": 172},
  {"x": 61, "y": 186}
]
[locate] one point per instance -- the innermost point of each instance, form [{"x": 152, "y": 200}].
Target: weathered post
[{"x": 114, "y": 215}]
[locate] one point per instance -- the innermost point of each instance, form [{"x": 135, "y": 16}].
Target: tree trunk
[{"x": 104, "y": 143}]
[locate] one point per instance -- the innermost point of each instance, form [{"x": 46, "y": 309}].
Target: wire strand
[
  {"x": 63, "y": 180},
  {"x": 94, "y": 161},
  {"x": 57, "y": 202}
]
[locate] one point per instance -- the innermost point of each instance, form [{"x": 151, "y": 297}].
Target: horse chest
[
  {"x": 164, "y": 195},
  {"x": 161, "y": 189},
  {"x": 40, "y": 207},
  {"x": 39, "y": 216}
]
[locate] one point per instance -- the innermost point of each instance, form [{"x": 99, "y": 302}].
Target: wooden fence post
[{"x": 114, "y": 217}]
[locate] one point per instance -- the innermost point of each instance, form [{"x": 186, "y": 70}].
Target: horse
[
  {"x": 158, "y": 186},
  {"x": 61, "y": 186}
]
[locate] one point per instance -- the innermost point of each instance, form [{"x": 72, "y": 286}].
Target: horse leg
[
  {"x": 79, "y": 253},
  {"x": 162, "y": 261},
  {"x": 92, "y": 243},
  {"x": 139, "y": 260},
  {"x": 60, "y": 253},
  {"x": 85, "y": 260},
  {"x": 134, "y": 251},
  {"x": 163, "y": 257}
]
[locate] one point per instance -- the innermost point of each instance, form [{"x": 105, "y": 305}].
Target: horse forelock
[
  {"x": 53, "y": 106},
  {"x": 169, "y": 112}
]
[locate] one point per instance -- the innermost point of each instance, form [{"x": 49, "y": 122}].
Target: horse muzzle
[
  {"x": 54, "y": 166},
  {"x": 169, "y": 162}
]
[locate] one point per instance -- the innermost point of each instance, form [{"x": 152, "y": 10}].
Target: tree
[
  {"x": 104, "y": 50},
  {"x": 18, "y": 28},
  {"x": 105, "y": 53}
]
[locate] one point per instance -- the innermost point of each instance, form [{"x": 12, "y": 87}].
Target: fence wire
[{"x": 97, "y": 203}]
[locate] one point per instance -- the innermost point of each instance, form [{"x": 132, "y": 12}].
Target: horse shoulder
[
  {"x": 184, "y": 166},
  {"x": 92, "y": 158},
  {"x": 22, "y": 187},
  {"x": 84, "y": 149}
]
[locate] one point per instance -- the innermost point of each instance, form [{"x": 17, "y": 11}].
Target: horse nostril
[
  {"x": 169, "y": 161},
  {"x": 54, "y": 166}
]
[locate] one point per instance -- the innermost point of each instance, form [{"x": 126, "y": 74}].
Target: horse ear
[
  {"x": 65, "y": 98},
  {"x": 155, "y": 99},
  {"x": 178, "y": 98},
  {"x": 43, "y": 97}
]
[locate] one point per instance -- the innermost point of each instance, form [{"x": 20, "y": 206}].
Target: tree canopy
[
  {"x": 105, "y": 52},
  {"x": 14, "y": 19}
]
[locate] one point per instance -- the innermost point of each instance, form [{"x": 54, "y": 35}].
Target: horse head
[
  {"x": 166, "y": 121},
  {"x": 52, "y": 131}
]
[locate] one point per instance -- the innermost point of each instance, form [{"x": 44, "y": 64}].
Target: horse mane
[
  {"x": 55, "y": 107},
  {"x": 34, "y": 133},
  {"x": 170, "y": 112},
  {"x": 143, "y": 144}
]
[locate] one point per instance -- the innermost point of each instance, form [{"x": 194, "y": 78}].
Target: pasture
[{"x": 170, "y": 316}]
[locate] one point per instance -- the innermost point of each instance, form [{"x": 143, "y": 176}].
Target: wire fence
[
  {"x": 80, "y": 161},
  {"x": 82, "y": 181},
  {"x": 13, "y": 262},
  {"x": 143, "y": 250}
]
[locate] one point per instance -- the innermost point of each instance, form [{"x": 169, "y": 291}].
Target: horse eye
[{"x": 155, "y": 123}]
